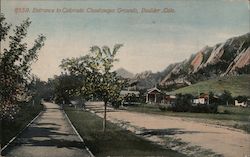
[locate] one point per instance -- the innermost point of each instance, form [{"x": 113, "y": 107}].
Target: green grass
[
  {"x": 233, "y": 110},
  {"x": 237, "y": 85},
  {"x": 236, "y": 117},
  {"x": 225, "y": 113},
  {"x": 116, "y": 141},
  {"x": 10, "y": 128}
]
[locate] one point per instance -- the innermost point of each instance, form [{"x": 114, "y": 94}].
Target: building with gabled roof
[{"x": 154, "y": 95}]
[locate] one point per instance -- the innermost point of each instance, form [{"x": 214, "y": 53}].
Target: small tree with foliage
[
  {"x": 183, "y": 103},
  {"x": 226, "y": 98},
  {"x": 98, "y": 79},
  {"x": 110, "y": 85},
  {"x": 241, "y": 98},
  {"x": 67, "y": 87}
]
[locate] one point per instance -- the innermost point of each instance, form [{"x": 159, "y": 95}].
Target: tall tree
[
  {"x": 15, "y": 63},
  {"x": 4, "y": 27},
  {"x": 99, "y": 79},
  {"x": 226, "y": 98},
  {"x": 110, "y": 85},
  {"x": 67, "y": 87},
  {"x": 82, "y": 69}
]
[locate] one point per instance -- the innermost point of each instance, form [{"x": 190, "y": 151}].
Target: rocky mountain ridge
[
  {"x": 124, "y": 73},
  {"x": 231, "y": 57}
]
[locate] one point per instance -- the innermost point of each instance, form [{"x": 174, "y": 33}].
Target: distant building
[
  {"x": 202, "y": 99},
  {"x": 132, "y": 85},
  {"x": 242, "y": 104},
  {"x": 170, "y": 99},
  {"x": 155, "y": 95}
]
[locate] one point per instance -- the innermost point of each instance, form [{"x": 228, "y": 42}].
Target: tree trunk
[{"x": 105, "y": 117}]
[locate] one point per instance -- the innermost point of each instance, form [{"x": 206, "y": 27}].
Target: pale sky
[{"x": 151, "y": 41}]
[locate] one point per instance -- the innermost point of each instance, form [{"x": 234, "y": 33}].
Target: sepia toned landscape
[{"x": 125, "y": 78}]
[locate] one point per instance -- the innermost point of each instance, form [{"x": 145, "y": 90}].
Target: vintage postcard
[{"x": 166, "y": 78}]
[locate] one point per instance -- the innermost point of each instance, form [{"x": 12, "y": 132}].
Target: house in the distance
[
  {"x": 170, "y": 99},
  {"x": 155, "y": 95},
  {"x": 241, "y": 103},
  {"x": 201, "y": 99}
]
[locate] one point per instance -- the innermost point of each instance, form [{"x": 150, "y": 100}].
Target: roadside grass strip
[{"x": 85, "y": 147}]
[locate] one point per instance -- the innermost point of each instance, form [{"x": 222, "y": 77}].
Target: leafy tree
[
  {"x": 212, "y": 98},
  {"x": 67, "y": 87},
  {"x": 4, "y": 27},
  {"x": 98, "y": 80},
  {"x": 39, "y": 89},
  {"x": 109, "y": 86},
  {"x": 15, "y": 65},
  {"x": 241, "y": 98},
  {"x": 226, "y": 97},
  {"x": 183, "y": 103},
  {"x": 86, "y": 71}
]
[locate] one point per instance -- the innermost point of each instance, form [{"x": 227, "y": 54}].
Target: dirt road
[{"x": 221, "y": 140}]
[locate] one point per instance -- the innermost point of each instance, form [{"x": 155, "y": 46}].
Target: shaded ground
[
  {"x": 48, "y": 136},
  {"x": 10, "y": 128},
  {"x": 158, "y": 128}
]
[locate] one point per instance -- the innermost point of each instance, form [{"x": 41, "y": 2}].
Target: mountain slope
[
  {"x": 231, "y": 57},
  {"x": 221, "y": 60},
  {"x": 237, "y": 85},
  {"x": 124, "y": 73}
]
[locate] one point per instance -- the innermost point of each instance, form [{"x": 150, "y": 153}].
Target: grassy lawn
[
  {"x": 116, "y": 141},
  {"x": 9, "y": 129},
  {"x": 237, "y": 85},
  {"x": 236, "y": 117}
]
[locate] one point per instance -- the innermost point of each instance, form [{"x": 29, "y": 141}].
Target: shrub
[
  {"x": 184, "y": 104},
  {"x": 241, "y": 98},
  {"x": 205, "y": 108},
  {"x": 226, "y": 112},
  {"x": 116, "y": 104},
  {"x": 162, "y": 108}
]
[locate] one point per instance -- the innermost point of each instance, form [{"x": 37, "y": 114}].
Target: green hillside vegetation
[{"x": 237, "y": 85}]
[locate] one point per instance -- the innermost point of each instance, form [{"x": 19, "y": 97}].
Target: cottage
[
  {"x": 202, "y": 99},
  {"x": 170, "y": 99},
  {"x": 155, "y": 95},
  {"x": 238, "y": 103}
]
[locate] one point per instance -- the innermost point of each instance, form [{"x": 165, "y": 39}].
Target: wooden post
[
  {"x": 62, "y": 104},
  {"x": 155, "y": 97},
  {"x": 105, "y": 116},
  {"x": 208, "y": 99}
]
